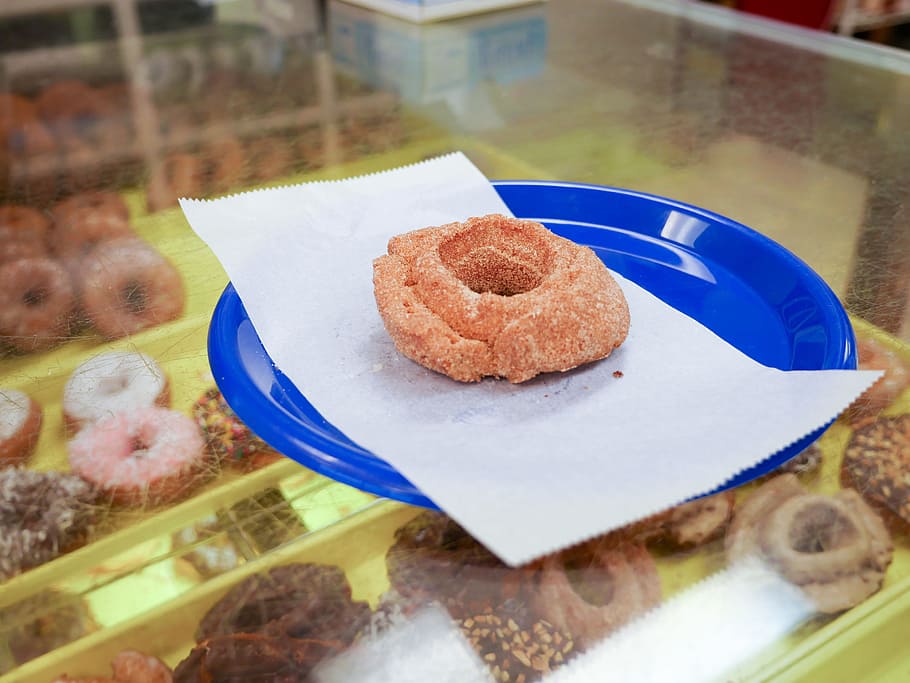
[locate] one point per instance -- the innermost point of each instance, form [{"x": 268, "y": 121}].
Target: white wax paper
[{"x": 527, "y": 468}]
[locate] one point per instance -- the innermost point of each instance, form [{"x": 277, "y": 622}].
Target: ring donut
[
  {"x": 36, "y": 303},
  {"x": 20, "y": 426},
  {"x": 127, "y": 286},
  {"x": 227, "y": 165},
  {"x": 113, "y": 382},
  {"x": 594, "y": 588},
  {"x": 102, "y": 202},
  {"x": 149, "y": 456},
  {"x": 497, "y": 296},
  {"x": 23, "y": 233},
  {"x": 181, "y": 175},
  {"x": 874, "y": 355},
  {"x": 835, "y": 548},
  {"x": 81, "y": 229}
]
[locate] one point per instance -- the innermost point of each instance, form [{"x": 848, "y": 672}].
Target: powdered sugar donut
[
  {"x": 113, "y": 382},
  {"x": 20, "y": 425},
  {"x": 149, "y": 456}
]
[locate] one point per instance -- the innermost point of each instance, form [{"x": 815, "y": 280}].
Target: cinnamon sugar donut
[
  {"x": 23, "y": 233},
  {"x": 181, "y": 175},
  {"x": 101, "y": 202},
  {"x": 20, "y": 426},
  {"x": 149, "y": 456},
  {"x": 113, "y": 382},
  {"x": 127, "y": 286},
  {"x": 497, "y": 296},
  {"x": 835, "y": 548},
  {"x": 227, "y": 165},
  {"x": 592, "y": 589},
  {"x": 36, "y": 303},
  {"x": 80, "y": 229}
]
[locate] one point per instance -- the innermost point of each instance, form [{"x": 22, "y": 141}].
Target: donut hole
[
  {"x": 501, "y": 258},
  {"x": 134, "y": 296},
  {"x": 110, "y": 386},
  {"x": 592, "y": 584},
  {"x": 34, "y": 297},
  {"x": 820, "y": 528}
]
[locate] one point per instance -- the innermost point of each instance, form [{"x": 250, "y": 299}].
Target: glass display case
[{"x": 217, "y": 558}]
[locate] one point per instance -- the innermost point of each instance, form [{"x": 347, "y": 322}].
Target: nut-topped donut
[{"x": 497, "y": 297}]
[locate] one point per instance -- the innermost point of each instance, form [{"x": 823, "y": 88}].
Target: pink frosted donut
[{"x": 148, "y": 457}]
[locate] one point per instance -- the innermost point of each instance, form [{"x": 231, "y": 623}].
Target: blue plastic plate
[{"x": 746, "y": 288}]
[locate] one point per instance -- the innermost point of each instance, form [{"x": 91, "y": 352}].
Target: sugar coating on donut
[
  {"x": 113, "y": 382},
  {"x": 497, "y": 297},
  {"x": 36, "y": 303},
  {"x": 127, "y": 286},
  {"x": 147, "y": 456}
]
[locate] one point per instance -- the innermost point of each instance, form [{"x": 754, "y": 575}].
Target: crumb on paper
[{"x": 617, "y": 374}]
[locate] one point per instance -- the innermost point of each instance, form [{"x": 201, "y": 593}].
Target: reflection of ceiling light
[
  {"x": 703, "y": 633},
  {"x": 428, "y": 646}
]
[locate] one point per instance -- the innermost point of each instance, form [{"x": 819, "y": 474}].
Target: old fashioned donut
[
  {"x": 687, "y": 525},
  {"x": 269, "y": 158},
  {"x": 835, "y": 548},
  {"x": 497, "y": 296},
  {"x": 227, "y": 164},
  {"x": 31, "y": 534},
  {"x": 16, "y": 108},
  {"x": 113, "y": 382},
  {"x": 20, "y": 426},
  {"x": 874, "y": 355},
  {"x": 23, "y": 233},
  {"x": 876, "y": 462},
  {"x": 433, "y": 559},
  {"x": 181, "y": 175},
  {"x": 80, "y": 229},
  {"x": 36, "y": 303},
  {"x": 229, "y": 439},
  {"x": 127, "y": 286},
  {"x": 55, "y": 100},
  {"x": 592, "y": 589},
  {"x": 101, "y": 202},
  {"x": 149, "y": 456}
]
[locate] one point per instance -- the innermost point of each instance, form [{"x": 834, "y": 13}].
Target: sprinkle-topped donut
[
  {"x": 113, "y": 382},
  {"x": 497, "y": 296},
  {"x": 227, "y": 436},
  {"x": 149, "y": 456}
]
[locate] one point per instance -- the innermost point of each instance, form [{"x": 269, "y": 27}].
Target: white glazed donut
[
  {"x": 20, "y": 425},
  {"x": 113, "y": 382}
]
